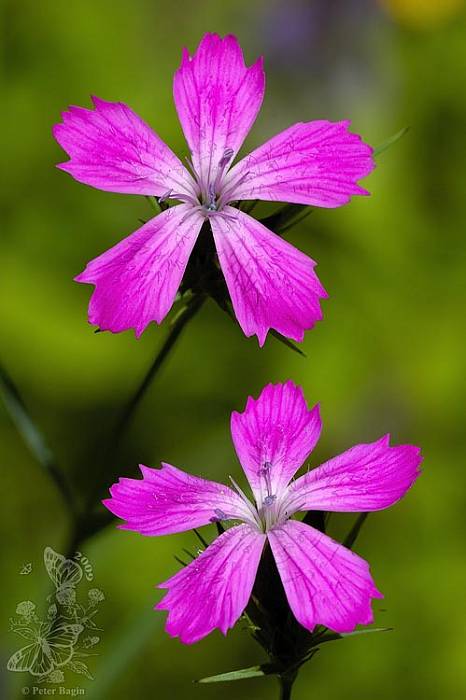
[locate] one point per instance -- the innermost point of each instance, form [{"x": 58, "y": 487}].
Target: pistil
[{"x": 268, "y": 509}]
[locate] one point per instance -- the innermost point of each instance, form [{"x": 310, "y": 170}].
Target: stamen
[
  {"x": 227, "y": 156},
  {"x": 189, "y": 213},
  {"x": 164, "y": 197},
  {"x": 227, "y": 217},
  {"x": 269, "y": 500},
  {"x": 222, "y": 164},
  {"x": 230, "y": 187},
  {"x": 212, "y": 197},
  {"x": 219, "y": 515},
  {"x": 181, "y": 196},
  {"x": 239, "y": 489},
  {"x": 255, "y": 515},
  {"x": 189, "y": 162},
  {"x": 264, "y": 472}
]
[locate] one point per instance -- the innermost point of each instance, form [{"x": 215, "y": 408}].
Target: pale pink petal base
[
  {"x": 137, "y": 280},
  {"x": 214, "y": 589},
  {"x": 316, "y": 163},
  {"x": 367, "y": 477},
  {"x": 271, "y": 283},
  {"x": 325, "y": 583},
  {"x": 112, "y": 148},
  {"x": 169, "y": 500},
  {"x": 278, "y": 430}
]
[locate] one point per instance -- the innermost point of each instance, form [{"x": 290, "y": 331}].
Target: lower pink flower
[{"x": 325, "y": 583}]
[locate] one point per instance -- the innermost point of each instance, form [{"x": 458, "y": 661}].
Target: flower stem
[
  {"x": 286, "y": 685},
  {"x": 86, "y": 524},
  {"x": 34, "y": 438},
  {"x": 129, "y": 409},
  {"x": 182, "y": 319}
]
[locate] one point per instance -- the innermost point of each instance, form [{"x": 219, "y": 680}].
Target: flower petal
[
  {"x": 315, "y": 163},
  {"x": 272, "y": 284},
  {"x": 213, "y": 590},
  {"x": 366, "y": 477},
  {"x": 325, "y": 583},
  {"x": 113, "y": 149},
  {"x": 169, "y": 500},
  {"x": 137, "y": 280},
  {"x": 274, "y": 436},
  {"x": 217, "y": 99}
]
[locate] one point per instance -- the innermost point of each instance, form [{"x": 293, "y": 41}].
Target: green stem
[
  {"x": 351, "y": 537},
  {"x": 184, "y": 317},
  {"x": 130, "y": 408},
  {"x": 286, "y": 685},
  {"x": 34, "y": 439},
  {"x": 86, "y": 524}
]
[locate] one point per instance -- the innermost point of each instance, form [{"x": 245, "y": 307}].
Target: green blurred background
[{"x": 389, "y": 355}]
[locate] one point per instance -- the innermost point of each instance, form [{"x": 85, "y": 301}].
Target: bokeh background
[{"x": 388, "y": 357}]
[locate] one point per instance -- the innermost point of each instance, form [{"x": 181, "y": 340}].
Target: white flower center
[
  {"x": 211, "y": 193},
  {"x": 267, "y": 511},
  {"x": 211, "y": 196}
]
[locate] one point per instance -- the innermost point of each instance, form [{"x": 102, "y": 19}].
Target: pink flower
[
  {"x": 271, "y": 283},
  {"x": 325, "y": 583}
]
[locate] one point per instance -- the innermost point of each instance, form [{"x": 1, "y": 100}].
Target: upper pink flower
[
  {"x": 271, "y": 283},
  {"x": 325, "y": 583}
]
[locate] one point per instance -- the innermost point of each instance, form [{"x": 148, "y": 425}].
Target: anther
[
  {"x": 190, "y": 166},
  {"x": 227, "y": 156},
  {"x": 264, "y": 470},
  {"x": 212, "y": 197},
  {"x": 219, "y": 515},
  {"x": 164, "y": 197},
  {"x": 269, "y": 500}
]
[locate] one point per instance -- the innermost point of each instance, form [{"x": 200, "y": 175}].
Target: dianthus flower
[
  {"x": 325, "y": 582},
  {"x": 217, "y": 97}
]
